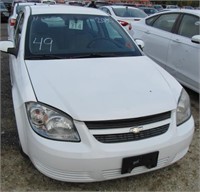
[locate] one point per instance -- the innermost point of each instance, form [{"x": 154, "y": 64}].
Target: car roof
[
  {"x": 147, "y": 8},
  {"x": 124, "y": 4},
  {"x": 190, "y": 11},
  {"x": 196, "y": 12},
  {"x": 120, "y": 6},
  {"x": 26, "y": 3},
  {"x": 48, "y": 9}
]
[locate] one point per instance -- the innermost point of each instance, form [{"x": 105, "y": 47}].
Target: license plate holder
[{"x": 149, "y": 160}]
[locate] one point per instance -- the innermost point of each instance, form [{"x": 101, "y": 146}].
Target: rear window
[{"x": 128, "y": 12}]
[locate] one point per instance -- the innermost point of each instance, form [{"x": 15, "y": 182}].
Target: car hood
[{"x": 101, "y": 88}]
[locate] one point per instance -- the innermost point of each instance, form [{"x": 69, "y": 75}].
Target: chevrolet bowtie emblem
[{"x": 136, "y": 129}]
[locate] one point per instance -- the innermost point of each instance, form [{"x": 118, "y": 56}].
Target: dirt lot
[{"x": 18, "y": 174}]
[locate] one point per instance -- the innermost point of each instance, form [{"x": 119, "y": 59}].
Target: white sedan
[
  {"x": 19, "y": 6},
  {"x": 172, "y": 39},
  {"x": 89, "y": 105},
  {"x": 125, "y": 15}
]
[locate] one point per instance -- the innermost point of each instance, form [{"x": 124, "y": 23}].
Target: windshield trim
[{"x": 80, "y": 56}]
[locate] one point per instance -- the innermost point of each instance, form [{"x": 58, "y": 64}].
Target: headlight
[
  {"x": 183, "y": 111},
  {"x": 50, "y": 123}
]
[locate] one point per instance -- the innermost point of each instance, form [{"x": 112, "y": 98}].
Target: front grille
[
  {"x": 116, "y": 131},
  {"x": 125, "y": 137},
  {"x": 113, "y": 124}
]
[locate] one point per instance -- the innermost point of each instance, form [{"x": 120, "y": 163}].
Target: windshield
[
  {"x": 128, "y": 12},
  {"x": 150, "y": 11},
  {"x": 158, "y": 6},
  {"x": 76, "y": 36}
]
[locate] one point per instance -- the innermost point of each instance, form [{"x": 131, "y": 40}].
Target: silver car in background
[{"x": 172, "y": 39}]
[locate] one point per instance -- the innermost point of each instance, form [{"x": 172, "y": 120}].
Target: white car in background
[
  {"x": 125, "y": 15},
  {"x": 172, "y": 39},
  {"x": 19, "y": 6},
  {"x": 172, "y": 7},
  {"x": 89, "y": 105}
]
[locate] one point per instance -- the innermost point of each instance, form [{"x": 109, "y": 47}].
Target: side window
[
  {"x": 166, "y": 21},
  {"x": 189, "y": 26},
  {"x": 18, "y": 29},
  {"x": 150, "y": 20},
  {"x": 107, "y": 11}
]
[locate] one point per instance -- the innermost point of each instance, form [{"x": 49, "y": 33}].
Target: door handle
[
  {"x": 147, "y": 32},
  {"x": 176, "y": 40}
]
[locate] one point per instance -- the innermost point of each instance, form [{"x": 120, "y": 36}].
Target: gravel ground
[{"x": 18, "y": 173}]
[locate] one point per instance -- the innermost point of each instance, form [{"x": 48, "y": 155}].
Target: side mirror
[
  {"x": 140, "y": 43},
  {"x": 196, "y": 39},
  {"x": 7, "y": 47}
]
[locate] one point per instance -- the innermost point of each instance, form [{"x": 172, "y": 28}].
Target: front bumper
[{"x": 90, "y": 160}]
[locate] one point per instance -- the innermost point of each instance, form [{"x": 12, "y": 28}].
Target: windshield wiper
[
  {"x": 38, "y": 57},
  {"x": 94, "y": 55}
]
